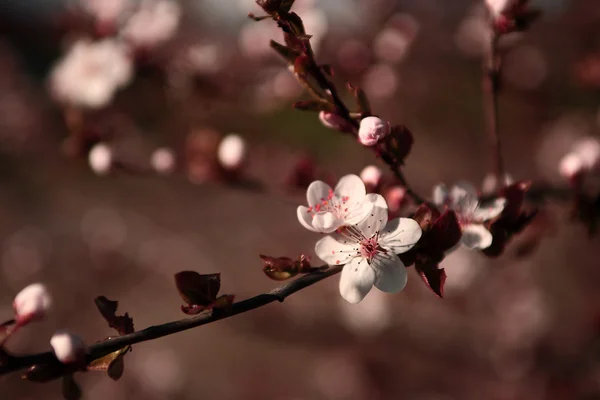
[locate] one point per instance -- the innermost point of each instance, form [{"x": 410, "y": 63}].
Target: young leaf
[
  {"x": 123, "y": 323},
  {"x": 196, "y": 289},
  {"x": 433, "y": 276},
  {"x": 361, "y": 100},
  {"x": 112, "y": 364},
  {"x": 288, "y": 54}
]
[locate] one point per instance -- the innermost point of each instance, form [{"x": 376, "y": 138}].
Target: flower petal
[
  {"x": 440, "y": 194},
  {"x": 400, "y": 235},
  {"x": 351, "y": 186},
  {"x": 377, "y": 199},
  {"x": 326, "y": 222},
  {"x": 391, "y": 273},
  {"x": 357, "y": 212},
  {"x": 316, "y": 192},
  {"x": 357, "y": 280},
  {"x": 490, "y": 209},
  {"x": 305, "y": 218},
  {"x": 464, "y": 198},
  {"x": 333, "y": 251},
  {"x": 374, "y": 222},
  {"x": 476, "y": 236}
]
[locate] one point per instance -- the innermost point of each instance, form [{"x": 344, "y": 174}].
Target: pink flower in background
[
  {"x": 584, "y": 157},
  {"x": 232, "y": 152},
  {"x": 371, "y": 176},
  {"x": 100, "y": 158},
  {"x": 91, "y": 72},
  {"x": 105, "y": 10},
  {"x": 67, "y": 347},
  {"x": 472, "y": 214},
  {"x": 31, "y": 303},
  {"x": 329, "y": 209},
  {"x": 372, "y": 130},
  {"x": 496, "y": 7},
  {"x": 369, "y": 251},
  {"x": 155, "y": 22}
]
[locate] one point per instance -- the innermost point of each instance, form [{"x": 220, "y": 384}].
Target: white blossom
[
  {"x": 67, "y": 347},
  {"x": 100, "y": 158},
  {"x": 163, "y": 160},
  {"x": 232, "y": 151},
  {"x": 497, "y": 7},
  {"x": 372, "y": 130},
  {"x": 471, "y": 213},
  {"x": 329, "y": 209},
  {"x": 155, "y": 22},
  {"x": 31, "y": 303}
]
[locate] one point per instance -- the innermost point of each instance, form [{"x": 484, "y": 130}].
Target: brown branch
[
  {"x": 491, "y": 89},
  {"x": 14, "y": 363}
]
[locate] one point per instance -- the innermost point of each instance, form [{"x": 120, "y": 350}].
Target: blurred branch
[{"x": 12, "y": 363}]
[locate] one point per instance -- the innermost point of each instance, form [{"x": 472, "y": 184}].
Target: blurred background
[{"x": 114, "y": 175}]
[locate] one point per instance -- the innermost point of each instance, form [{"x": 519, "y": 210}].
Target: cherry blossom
[
  {"x": 369, "y": 250},
  {"x": 329, "y": 209},
  {"x": 155, "y": 22},
  {"x": 472, "y": 214},
  {"x": 373, "y": 129},
  {"x": 67, "y": 347},
  {"x": 31, "y": 303}
]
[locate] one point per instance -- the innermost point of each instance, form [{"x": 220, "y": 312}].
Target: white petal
[
  {"x": 357, "y": 280},
  {"x": 400, "y": 235},
  {"x": 351, "y": 186},
  {"x": 358, "y": 212},
  {"x": 391, "y": 273},
  {"x": 334, "y": 251},
  {"x": 326, "y": 222},
  {"x": 316, "y": 192},
  {"x": 440, "y": 194},
  {"x": 374, "y": 222},
  {"x": 305, "y": 218},
  {"x": 464, "y": 198},
  {"x": 476, "y": 236},
  {"x": 377, "y": 199},
  {"x": 489, "y": 210}
]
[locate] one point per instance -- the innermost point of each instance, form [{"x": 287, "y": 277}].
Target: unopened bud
[
  {"x": 100, "y": 158},
  {"x": 334, "y": 121},
  {"x": 163, "y": 160},
  {"x": 571, "y": 166},
  {"x": 371, "y": 176},
  {"x": 232, "y": 152},
  {"x": 31, "y": 303},
  {"x": 372, "y": 130},
  {"x": 67, "y": 347},
  {"x": 395, "y": 198}
]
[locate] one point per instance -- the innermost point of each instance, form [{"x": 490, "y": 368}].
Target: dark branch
[{"x": 15, "y": 363}]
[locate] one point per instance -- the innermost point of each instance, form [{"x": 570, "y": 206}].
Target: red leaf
[
  {"x": 196, "y": 289},
  {"x": 433, "y": 276},
  {"x": 108, "y": 308},
  {"x": 445, "y": 233}
]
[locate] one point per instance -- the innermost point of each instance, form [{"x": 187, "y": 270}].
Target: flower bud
[
  {"x": 31, "y": 303},
  {"x": 588, "y": 151},
  {"x": 334, "y": 121},
  {"x": 163, "y": 160},
  {"x": 371, "y": 176},
  {"x": 571, "y": 166},
  {"x": 67, "y": 347},
  {"x": 496, "y": 7},
  {"x": 372, "y": 130},
  {"x": 100, "y": 158},
  {"x": 232, "y": 152}
]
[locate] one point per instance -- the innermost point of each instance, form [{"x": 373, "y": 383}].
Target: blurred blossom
[
  {"x": 160, "y": 371},
  {"x": 163, "y": 160},
  {"x": 232, "y": 151},
  {"x": 286, "y": 86},
  {"x": 588, "y": 150},
  {"x": 155, "y": 22},
  {"x": 32, "y": 303},
  {"x": 368, "y": 317},
  {"x": 353, "y": 55},
  {"x": 91, "y": 72},
  {"x": 255, "y": 37},
  {"x": 380, "y": 81},
  {"x": 100, "y": 158},
  {"x": 405, "y": 23},
  {"x": 371, "y": 176},
  {"x": 103, "y": 230},
  {"x": 391, "y": 45},
  {"x": 204, "y": 59},
  {"x": 496, "y": 7},
  {"x": 105, "y": 10},
  {"x": 201, "y": 155},
  {"x": 525, "y": 67},
  {"x": 473, "y": 36},
  {"x": 23, "y": 255},
  {"x": 395, "y": 198},
  {"x": 570, "y": 166}
]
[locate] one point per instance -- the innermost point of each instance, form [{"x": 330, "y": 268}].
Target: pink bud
[
  {"x": 371, "y": 176},
  {"x": 163, "y": 160},
  {"x": 31, "y": 303},
  {"x": 395, "y": 198},
  {"x": 100, "y": 158},
  {"x": 67, "y": 347},
  {"x": 372, "y": 130},
  {"x": 570, "y": 166},
  {"x": 334, "y": 121},
  {"x": 232, "y": 152}
]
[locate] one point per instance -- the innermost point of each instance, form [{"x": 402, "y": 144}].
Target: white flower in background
[
  {"x": 163, "y": 160},
  {"x": 372, "y": 130},
  {"x": 583, "y": 157},
  {"x": 471, "y": 213},
  {"x": 371, "y": 175},
  {"x": 369, "y": 251},
  {"x": 100, "y": 158},
  {"x": 31, "y": 303},
  {"x": 155, "y": 22},
  {"x": 329, "y": 209},
  {"x": 232, "y": 151},
  {"x": 91, "y": 72},
  {"x": 67, "y": 347},
  {"x": 496, "y": 7},
  {"x": 570, "y": 166},
  {"x": 105, "y": 10}
]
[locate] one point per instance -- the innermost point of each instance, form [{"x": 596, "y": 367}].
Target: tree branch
[{"x": 14, "y": 363}]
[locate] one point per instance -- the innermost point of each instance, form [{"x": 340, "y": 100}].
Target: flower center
[{"x": 369, "y": 247}]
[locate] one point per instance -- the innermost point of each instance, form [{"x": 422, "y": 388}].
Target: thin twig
[
  {"x": 491, "y": 89},
  {"x": 14, "y": 363}
]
